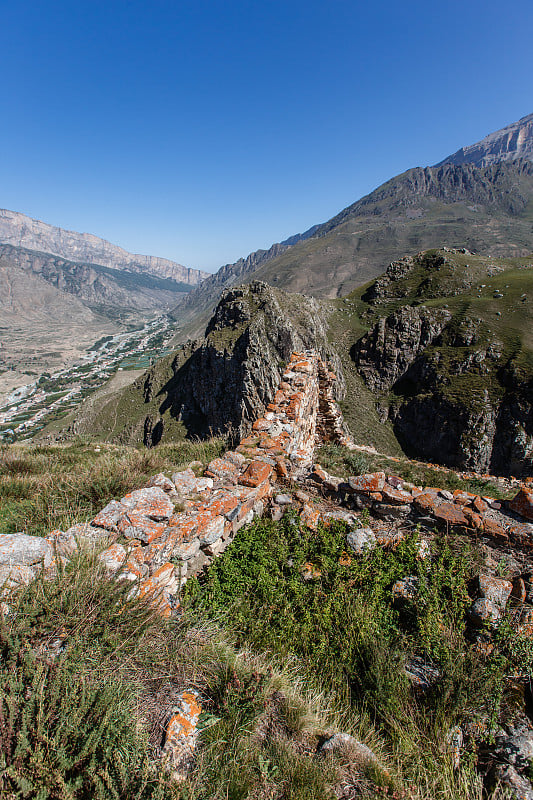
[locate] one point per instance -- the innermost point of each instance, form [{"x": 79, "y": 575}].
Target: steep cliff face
[
  {"x": 22, "y": 231},
  {"x": 224, "y": 380},
  {"x": 454, "y": 371},
  {"x": 94, "y": 284},
  {"x": 385, "y": 354},
  {"x": 512, "y": 142}
]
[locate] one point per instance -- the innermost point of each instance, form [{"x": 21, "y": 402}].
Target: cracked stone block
[
  {"x": 19, "y": 548},
  {"x": 109, "y": 516},
  {"x": 152, "y": 501}
]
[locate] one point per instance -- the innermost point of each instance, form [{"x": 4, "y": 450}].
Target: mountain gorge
[{"x": 55, "y": 280}]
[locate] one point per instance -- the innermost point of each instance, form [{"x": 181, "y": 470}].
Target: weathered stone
[
  {"x": 446, "y": 495},
  {"x": 181, "y": 736},
  {"x": 89, "y": 535},
  {"x": 497, "y": 590},
  {"x": 153, "y": 502},
  {"x": 522, "y": 503},
  {"x": 186, "y": 482},
  {"x": 388, "y": 511},
  {"x": 507, "y": 776},
  {"x": 114, "y": 557},
  {"x": 343, "y": 742},
  {"x": 109, "y": 516},
  {"x": 450, "y": 515},
  {"x": 483, "y": 611},
  {"x": 422, "y": 673},
  {"x": 135, "y": 525},
  {"x": 163, "y": 482},
  {"x": 425, "y": 503},
  {"x": 521, "y": 533},
  {"x": 361, "y": 540},
  {"x": 494, "y": 528},
  {"x": 405, "y": 589},
  {"x": 396, "y": 496},
  {"x": 11, "y": 577},
  {"x": 186, "y": 550},
  {"x": 372, "y": 482},
  {"x": 255, "y": 473},
  {"x": 283, "y": 499},
  {"x": 19, "y": 548},
  {"x": 210, "y": 529},
  {"x": 222, "y": 503},
  {"x": 222, "y": 469},
  {"x": 235, "y": 458},
  {"x": 310, "y": 517},
  {"x": 339, "y": 515}
]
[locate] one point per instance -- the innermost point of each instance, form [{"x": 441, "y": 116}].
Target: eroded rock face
[
  {"x": 456, "y": 400},
  {"x": 389, "y": 349},
  {"x": 227, "y": 379}
]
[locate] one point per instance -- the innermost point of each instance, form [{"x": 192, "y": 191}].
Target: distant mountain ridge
[
  {"x": 512, "y": 142},
  {"x": 480, "y": 197},
  {"x": 486, "y": 209},
  {"x": 20, "y": 230},
  {"x": 93, "y": 284}
]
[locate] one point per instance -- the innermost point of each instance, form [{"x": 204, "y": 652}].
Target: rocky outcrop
[
  {"x": 450, "y": 364},
  {"x": 22, "y": 231},
  {"x": 395, "y": 342},
  {"x": 233, "y": 374},
  {"x": 226, "y": 379},
  {"x": 512, "y": 142},
  {"x": 451, "y": 404}
]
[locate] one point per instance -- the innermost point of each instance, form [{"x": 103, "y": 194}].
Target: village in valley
[{"x": 51, "y": 396}]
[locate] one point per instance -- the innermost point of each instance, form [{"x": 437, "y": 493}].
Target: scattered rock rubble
[{"x": 158, "y": 536}]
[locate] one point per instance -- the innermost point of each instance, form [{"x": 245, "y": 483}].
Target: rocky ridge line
[{"x": 22, "y": 231}]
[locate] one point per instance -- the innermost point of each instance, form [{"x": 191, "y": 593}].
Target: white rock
[
  {"x": 19, "y": 548},
  {"x": 361, "y": 540}
]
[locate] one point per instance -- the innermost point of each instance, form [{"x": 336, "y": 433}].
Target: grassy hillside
[
  {"x": 489, "y": 210},
  {"x": 483, "y": 357},
  {"x": 89, "y": 676}
]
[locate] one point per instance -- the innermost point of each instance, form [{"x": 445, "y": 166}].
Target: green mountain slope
[
  {"x": 488, "y": 210},
  {"x": 448, "y": 357}
]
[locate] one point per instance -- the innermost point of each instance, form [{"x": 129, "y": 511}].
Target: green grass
[
  {"x": 343, "y": 462},
  {"x": 354, "y": 641},
  {"x": 42, "y": 488},
  {"x": 86, "y": 719}
]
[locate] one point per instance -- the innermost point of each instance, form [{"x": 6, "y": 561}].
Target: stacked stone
[
  {"x": 330, "y": 424},
  {"x": 285, "y": 435},
  {"x": 391, "y": 498}
]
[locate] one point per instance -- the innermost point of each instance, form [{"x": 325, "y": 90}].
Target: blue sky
[{"x": 201, "y": 131}]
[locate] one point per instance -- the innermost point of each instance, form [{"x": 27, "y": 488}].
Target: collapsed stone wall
[{"x": 158, "y": 536}]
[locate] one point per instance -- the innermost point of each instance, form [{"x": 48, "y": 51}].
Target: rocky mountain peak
[{"x": 512, "y": 142}]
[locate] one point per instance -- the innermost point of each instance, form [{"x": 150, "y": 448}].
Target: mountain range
[{"x": 480, "y": 197}]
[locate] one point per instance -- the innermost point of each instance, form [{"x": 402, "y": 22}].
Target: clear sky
[{"x": 203, "y": 130}]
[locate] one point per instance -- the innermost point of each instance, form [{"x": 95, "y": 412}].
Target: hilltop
[{"x": 512, "y": 142}]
